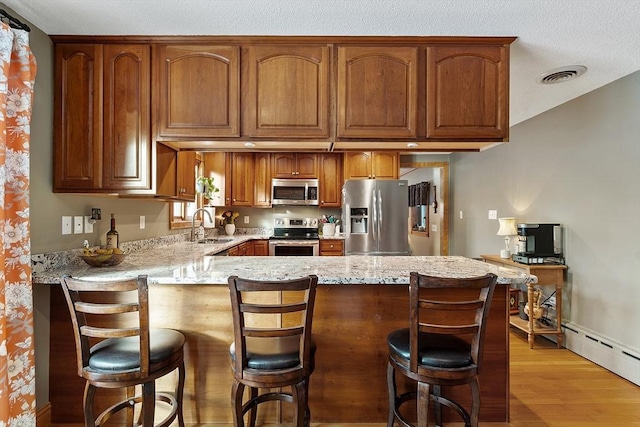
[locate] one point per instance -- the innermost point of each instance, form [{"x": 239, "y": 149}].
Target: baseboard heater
[{"x": 602, "y": 351}]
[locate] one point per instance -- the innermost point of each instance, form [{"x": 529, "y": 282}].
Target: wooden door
[
  {"x": 186, "y": 175},
  {"x": 262, "y": 180},
  {"x": 357, "y": 165},
  {"x": 127, "y": 117},
  {"x": 217, "y": 165},
  {"x": 306, "y": 165},
  {"x": 242, "y": 176},
  {"x": 283, "y": 165},
  {"x": 330, "y": 166},
  {"x": 377, "y": 92},
  {"x": 467, "y": 92},
  {"x": 288, "y": 92},
  {"x": 385, "y": 165},
  {"x": 78, "y": 117},
  {"x": 197, "y": 91},
  {"x": 261, "y": 247}
]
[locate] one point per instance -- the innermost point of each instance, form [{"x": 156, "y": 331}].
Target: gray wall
[{"x": 579, "y": 165}]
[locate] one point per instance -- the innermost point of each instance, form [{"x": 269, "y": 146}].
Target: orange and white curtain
[{"x": 17, "y": 362}]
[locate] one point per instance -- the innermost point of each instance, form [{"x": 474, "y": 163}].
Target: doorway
[{"x": 441, "y": 196}]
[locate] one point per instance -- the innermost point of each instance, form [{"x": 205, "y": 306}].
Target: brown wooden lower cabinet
[{"x": 351, "y": 323}]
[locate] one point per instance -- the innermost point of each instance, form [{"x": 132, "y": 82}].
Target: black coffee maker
[{"x": 539, "y": 244}]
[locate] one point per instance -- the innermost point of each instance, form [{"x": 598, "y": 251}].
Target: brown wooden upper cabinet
[
  {"x": 197, "y": 90},
  {"x": 294, "y": 165},
  {"x": 176, "y": 174},
  {"x": 242, "y": 179},
  {"x": 102, "y": 118},
  {"x": 371, "y": 165},
  {"x": 262, "y": 180},
  {"x": 288, "y": 91},
  {"x": 377, "y": 92},
  {"x": 467, "y": 91},
  {"x": 330, "y": 180}
]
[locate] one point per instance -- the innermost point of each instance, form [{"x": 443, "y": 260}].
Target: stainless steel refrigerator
[{"x": 375, "y": 217}]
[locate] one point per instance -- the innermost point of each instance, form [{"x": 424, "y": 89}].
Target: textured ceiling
[{"x": 603, "y": 35}]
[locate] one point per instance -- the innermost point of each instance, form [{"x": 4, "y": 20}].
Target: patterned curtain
[{"x": 17, "y": 364}]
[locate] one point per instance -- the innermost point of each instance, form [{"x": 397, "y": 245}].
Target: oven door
[{"x": 294, "y": 247}]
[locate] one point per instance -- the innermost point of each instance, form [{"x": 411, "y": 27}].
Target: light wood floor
[{"x": 555, "y": 388}]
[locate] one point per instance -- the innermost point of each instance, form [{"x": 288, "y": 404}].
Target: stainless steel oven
[{"x": 295, "y": 237}]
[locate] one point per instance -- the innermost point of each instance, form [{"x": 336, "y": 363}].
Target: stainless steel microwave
[{"x": 295, "y": 192}]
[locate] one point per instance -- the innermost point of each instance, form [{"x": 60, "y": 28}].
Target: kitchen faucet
[{"x": 193, "y": 222}]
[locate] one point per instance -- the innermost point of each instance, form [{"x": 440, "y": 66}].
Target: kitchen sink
[{"x": 215, "y": 240}]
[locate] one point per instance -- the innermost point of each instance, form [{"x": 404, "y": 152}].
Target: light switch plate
[
  {"x": 78, "y": 222},
  {"x": 66, "y": 225},
  {"x": 88, "y": 225},
  {"x": 143, "y": 222},
  {"x": 493, "y": 214}
]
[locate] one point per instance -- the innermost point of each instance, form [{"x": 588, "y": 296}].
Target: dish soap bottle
[{"x": 112, "y": 235}]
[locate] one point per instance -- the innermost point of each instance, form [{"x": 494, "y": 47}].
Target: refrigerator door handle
[
  {"x": 374, "y": 226},
  {"x": 379, "y": 209}
]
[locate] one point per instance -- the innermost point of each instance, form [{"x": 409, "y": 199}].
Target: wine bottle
[{"x": 112, "y": 235}]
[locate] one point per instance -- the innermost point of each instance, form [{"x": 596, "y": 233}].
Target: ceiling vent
[{"x": 562, "y": 74}]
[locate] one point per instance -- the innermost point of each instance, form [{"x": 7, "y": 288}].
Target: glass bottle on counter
[{"x": 112, "y": 235}]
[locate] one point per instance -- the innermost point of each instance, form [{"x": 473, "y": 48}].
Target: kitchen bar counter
[
  {"x": 359, "y": 301},
  {"x": 189, "y": 263}
]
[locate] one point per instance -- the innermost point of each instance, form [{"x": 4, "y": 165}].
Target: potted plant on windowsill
[{"x": 206, "y": 187}]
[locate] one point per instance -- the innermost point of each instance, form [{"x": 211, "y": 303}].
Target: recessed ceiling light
[
  {"x": 411, "y": 145},
  {"x": 249, "y": 144},
  {"x": 562, "y": 74}
]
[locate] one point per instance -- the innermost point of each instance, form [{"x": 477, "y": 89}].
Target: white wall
[{"x": 579, "y": 165}]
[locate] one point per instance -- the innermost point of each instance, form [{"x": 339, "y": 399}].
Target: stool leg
[
  {"x": 475, "y": 402},
  {"x": 148, "y": 403},
  {"x": 237, "y": 392},
  {"x": 131, "y": 394},
  {"x": 253, "y": 412},
  {"x": 423, "y": 404},
  {"x": 87, "y": 402},
  {"x": 391, "y": 388},
  {"x": 299, "y": 392},
  {"x": 437, "y": 406},
  {"x": 180, "y": 393}
]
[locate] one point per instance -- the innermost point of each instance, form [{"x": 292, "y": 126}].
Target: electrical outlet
[
  {"x": 434, "y": 227},
  {"x": 66, "y": 225},
  {"x": 246, "y": 219},
  {"x": 77, "y": 224},
  {"x": 461, "y": 215},
  {"x": 142, "y": 222},
  {"x": 88, "y": 225},
  {"x": 493, "y": 214}
]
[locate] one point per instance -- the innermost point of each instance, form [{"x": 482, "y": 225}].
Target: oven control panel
[{"x": 295, "y": 223}]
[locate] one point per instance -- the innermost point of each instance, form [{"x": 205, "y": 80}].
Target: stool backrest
[
  {"x": 108, "y": 309},
  {"x": 449, "y": 306},
  {"x": 287, "y": 303}
]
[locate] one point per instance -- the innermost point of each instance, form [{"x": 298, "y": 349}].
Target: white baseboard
[{"x": 603, "y": 351}]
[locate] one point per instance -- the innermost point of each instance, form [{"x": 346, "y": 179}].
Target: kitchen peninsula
[{"x": 359, "y": 301}]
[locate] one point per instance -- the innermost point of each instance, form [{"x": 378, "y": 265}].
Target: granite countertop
[{"x": 191, "y": 263}]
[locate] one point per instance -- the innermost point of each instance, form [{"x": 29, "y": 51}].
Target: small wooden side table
[{"x": 547, "y": 274}]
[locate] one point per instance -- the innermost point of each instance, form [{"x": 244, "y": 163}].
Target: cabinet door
[
  {"x": 186, "y": 175},
  {"x": 283, "y": 165},
  {"x": 330, "y": 180},
  {"x": 467, "y": 92},
  {"x": 377, "y": 92},
  {"x": 262, "y": 186},
  {"x": 384, "y": 165},
  {"x": 217, "y": 165},
  {"x": 78, "y": 117},
  {"x": 306, "y": 165},
  {"x": 127, "y": 115},
  {"x": 357, "y": 165},
  {"x": 197, "y": 91},
  {"x": 288, "y": 91},
  {"x": 260, "y": 247},
  {"x": 242, "y": 176}
]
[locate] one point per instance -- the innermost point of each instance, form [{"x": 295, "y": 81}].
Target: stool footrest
[{"x": 165, "y": 397}]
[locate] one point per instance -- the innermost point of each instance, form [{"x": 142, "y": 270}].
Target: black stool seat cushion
[
  {"x": 123, "y": 354},
  {"x": 272, "y": 353},
  {"x": 442, "y": 351}
]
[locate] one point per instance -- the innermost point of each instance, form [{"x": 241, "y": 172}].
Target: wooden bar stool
[
  {"x": 116, "y": 349},
  {"x": 272, "y": 353},
  {"x": 442, "y": 346}
]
